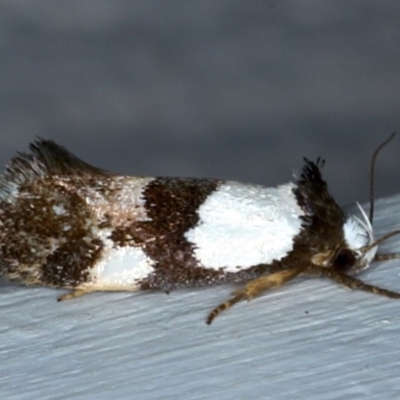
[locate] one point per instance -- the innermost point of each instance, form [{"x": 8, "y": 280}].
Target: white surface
[
  {"x": 243, "y": 225},
  {"x": 309, "y": 340}
]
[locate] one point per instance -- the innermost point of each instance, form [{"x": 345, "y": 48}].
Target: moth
[{"x": 67, "y": 224}]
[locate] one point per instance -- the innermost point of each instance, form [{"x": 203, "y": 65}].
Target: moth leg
[
  {"x": 384, "y": 257},
  {"x": 84, "y": 290},
  {"x": 74, "y": 294},
  {"x": 353, "y": 283},
  {"x": 255, "y": 288}
]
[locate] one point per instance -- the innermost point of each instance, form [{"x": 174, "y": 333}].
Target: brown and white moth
[{"x": 67, "y": 224}]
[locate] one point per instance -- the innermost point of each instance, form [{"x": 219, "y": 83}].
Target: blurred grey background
[{"x": 229, "y": 89}]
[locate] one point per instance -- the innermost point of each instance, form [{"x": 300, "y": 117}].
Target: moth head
[{"x": 357, "y": 249}]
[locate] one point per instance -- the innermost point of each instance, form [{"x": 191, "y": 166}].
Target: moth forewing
[{"x": 67, "y": 224}]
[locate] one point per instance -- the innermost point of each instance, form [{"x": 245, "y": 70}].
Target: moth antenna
[
  {"x": 372, "y": 176},
  {"x": 379, "y": 241},
  {"x": 366, "y": 223}
]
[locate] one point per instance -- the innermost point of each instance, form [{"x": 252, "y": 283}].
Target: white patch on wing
[
  {"x": 121, "y": 268},
  {"x": 244, "y": 225},
  {"x": 124, "y": 201}
]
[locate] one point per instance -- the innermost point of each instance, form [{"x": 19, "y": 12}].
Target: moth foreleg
[
  {"x": 352, "y": 282},
  {"x": 255, "y": 288}
]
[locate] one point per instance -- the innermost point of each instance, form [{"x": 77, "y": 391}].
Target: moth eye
[{"x": 344, "y": 261}]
